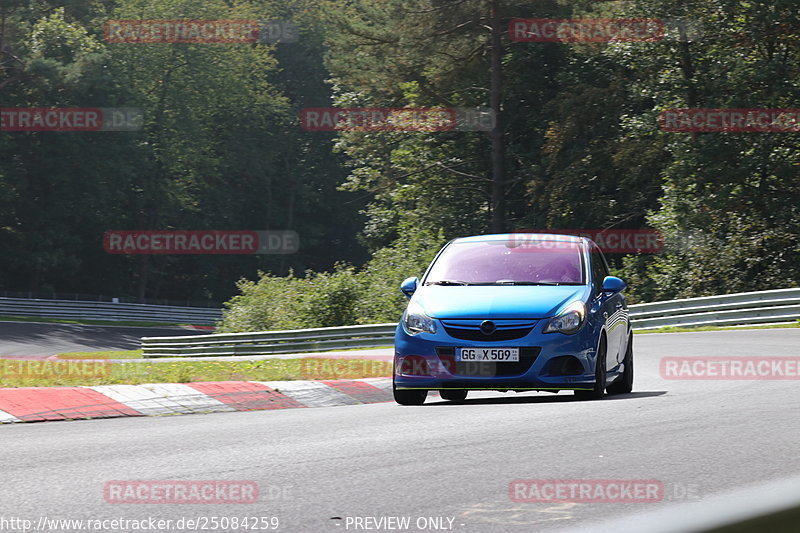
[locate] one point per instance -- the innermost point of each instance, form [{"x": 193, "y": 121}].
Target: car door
[{"x": 610, "y": 309}]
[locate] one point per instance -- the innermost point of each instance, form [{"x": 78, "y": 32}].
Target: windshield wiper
[
  {"x": 512, "y": 282},
  {"x": 448, "y": 282}
]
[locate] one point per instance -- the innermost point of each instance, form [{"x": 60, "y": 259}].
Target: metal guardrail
[
  {"x": 781, "y": 305},
  {"x": 109, "y": 311},
  {"x": 82, "y": 297},
  {"x": 271, "y": 342}
]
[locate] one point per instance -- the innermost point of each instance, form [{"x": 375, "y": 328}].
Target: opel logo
[{"x": 488, "y": 327}]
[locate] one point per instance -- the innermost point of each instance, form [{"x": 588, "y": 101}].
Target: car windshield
[{"x": 545, "y": 262}]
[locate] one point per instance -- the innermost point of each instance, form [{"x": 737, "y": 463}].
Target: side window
[{"x": 599, "y": 269}]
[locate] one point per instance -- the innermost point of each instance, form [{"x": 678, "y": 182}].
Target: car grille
[
  {"x": 475, "y": 334},
  {"x": 527, "y": 356}
]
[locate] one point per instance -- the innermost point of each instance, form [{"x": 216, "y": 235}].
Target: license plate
[{"x": 492, "y": 355}]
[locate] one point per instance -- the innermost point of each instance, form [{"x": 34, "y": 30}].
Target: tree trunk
[{"x": 498, "y": 207}]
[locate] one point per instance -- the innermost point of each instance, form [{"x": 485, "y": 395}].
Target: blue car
[{"x": 514, "y": 312}]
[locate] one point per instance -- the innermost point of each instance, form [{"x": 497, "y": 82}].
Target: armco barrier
[
  {"x": 271, "y": 342},
  {"x": 109, "y": 311},
  {"x": 781, "y": 305}
]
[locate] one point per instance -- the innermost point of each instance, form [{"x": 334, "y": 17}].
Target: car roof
[{"x": 522, "y": 236}]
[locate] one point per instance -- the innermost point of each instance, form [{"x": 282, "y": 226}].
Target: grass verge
[
  {"x": 62, "y": 373},
  {"x": 73, "y": 369},
  {"x": 137, "y": 354},
  {"x": 126, "y": 354}
]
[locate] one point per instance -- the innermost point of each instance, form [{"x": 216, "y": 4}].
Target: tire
[
  {"x": 453, "y": 395},
  {"x": 599, "y": 389},
  {"x": 409, "y": 397},
  {"x": 624, "y": 384}
]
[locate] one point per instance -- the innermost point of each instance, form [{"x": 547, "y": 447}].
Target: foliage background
[{"x": 222, "y": 149}]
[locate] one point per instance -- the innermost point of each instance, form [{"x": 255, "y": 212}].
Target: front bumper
[{"x": 551, "y": 361}]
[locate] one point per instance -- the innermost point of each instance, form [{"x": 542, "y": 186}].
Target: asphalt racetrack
[
  {"x": 450, "y": 465},
  {"x": 44, "y": 339}
]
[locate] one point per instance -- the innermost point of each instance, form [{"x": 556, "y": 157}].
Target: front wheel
[
  {"x": 599, "y": 389},
  {"x": 409, "y": 396},
  {"x": 624, "y": 384},
  {"x": 453, "y": 395}
]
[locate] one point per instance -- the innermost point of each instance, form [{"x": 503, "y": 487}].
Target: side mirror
[
  {"x": 409, "y": 286},
  {"x": 613, "y": 285}
]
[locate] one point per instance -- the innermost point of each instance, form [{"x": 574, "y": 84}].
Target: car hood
[{"x": 497, "y": 302}]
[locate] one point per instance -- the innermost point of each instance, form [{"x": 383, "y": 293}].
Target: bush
[
  {"x": 270, "y": 303},
  {"x": 330, "y": 299},
  {"x": 343, "y": 297},
  {"x": 382, "y": 300}
]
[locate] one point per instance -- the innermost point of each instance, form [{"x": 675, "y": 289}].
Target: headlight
[
  {"x": 568, "y": 321},
  {"x": 416, "y": 321}
]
